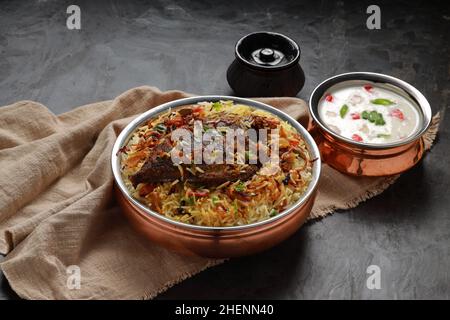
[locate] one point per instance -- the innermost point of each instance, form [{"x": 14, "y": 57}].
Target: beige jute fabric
[{"x": 57, "y": 208}]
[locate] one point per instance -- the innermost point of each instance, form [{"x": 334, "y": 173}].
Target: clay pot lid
[{"x": 267, "y": 51}]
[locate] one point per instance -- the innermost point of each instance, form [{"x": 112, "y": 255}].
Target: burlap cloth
[{"x": 57, "y": 209}]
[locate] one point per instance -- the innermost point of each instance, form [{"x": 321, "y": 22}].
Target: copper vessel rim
[
  {"x": 129, "y": 129},
  {"x": 415, "y": 94}
]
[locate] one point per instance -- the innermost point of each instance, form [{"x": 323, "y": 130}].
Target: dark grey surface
[{"x": 188, "y": 46}]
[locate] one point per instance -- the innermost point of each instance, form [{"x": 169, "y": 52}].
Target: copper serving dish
[
  {"x": 359, "y": 158},
  {"x": 214, "y": 242}
]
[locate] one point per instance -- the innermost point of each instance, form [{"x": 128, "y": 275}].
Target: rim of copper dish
[
  {"x": 414, "y": 94},
  {"x": 130, "y": 128}
]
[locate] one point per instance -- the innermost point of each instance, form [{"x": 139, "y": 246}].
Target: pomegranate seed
[
  {"x": 368, "y": 87},
  {"x": 357, "y": 137},
  {"x": 397, "y": 113},
  {"x": 329, "y": 97},
  {"x": 355, "y": 116}
]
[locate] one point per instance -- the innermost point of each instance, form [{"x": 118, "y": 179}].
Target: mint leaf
[
  {"x": 380, "y": 121},
  {"x": 365, "y": 115},
  {"x": 373, "y": 116}
]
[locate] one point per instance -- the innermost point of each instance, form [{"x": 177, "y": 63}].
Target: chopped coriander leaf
[
  {"x": 161, "y": 128},
  {"x": 383, "y": 102},
  {"x": 217, "y": 106},
  {"x": 215, "y": 199},
  {"x": 343, "y": 111},
  {"x": 250, "y": 157},
  {"x": 189, "y": 201},
  {"x": 273, "y": 213},
  {"x": 240, "y": 187}
]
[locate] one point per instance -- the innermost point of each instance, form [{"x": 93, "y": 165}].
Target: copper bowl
[
  {"x": 363, "y": 159},
  {"x": 214, "y": 242}
]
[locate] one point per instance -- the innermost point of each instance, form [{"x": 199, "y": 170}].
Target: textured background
[{"x": 188, "y": 46}]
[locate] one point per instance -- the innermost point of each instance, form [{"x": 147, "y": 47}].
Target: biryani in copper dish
[{"x": 216, "y": 194}]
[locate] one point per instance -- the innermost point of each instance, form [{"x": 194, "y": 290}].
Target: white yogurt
[{"x": 369, "y": 112}]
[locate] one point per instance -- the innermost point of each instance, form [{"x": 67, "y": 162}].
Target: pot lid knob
[
  {"x": 267, "y": 55},
  {"x": 267, "y": 51}
]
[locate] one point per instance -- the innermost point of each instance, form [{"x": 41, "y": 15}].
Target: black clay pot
[{"x": 266, "y": 65}]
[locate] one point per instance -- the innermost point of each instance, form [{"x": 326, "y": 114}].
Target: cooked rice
[{"x": 264, "y": 196}]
